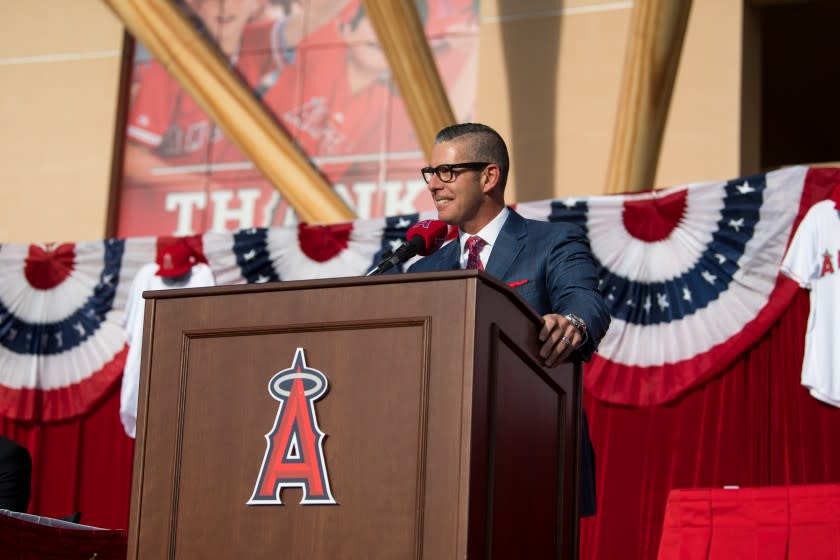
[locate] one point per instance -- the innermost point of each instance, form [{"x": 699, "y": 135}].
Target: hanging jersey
[
  {"x": 813, "y": 260},
  {"x": 146, "y": 279}
]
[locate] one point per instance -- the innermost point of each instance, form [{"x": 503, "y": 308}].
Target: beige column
[
  {"x": 400, "y": 32},
  {"x": 657, "y": 29},
  {"x": 176, "y": 44}
]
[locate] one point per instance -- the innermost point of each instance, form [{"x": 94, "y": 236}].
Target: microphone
[{"x": 423, "y": 238}]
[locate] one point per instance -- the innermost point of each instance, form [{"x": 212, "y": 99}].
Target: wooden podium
[{"x": 445, "y": 437}]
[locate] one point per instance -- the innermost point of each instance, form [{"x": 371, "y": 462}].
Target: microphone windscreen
[{"x": 432, "y": 232}]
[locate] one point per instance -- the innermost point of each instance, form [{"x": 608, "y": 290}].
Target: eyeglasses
[{"x": 447, "y": 172}]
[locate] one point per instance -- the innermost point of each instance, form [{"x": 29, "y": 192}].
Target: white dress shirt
[{"x": 488, "y": 233}]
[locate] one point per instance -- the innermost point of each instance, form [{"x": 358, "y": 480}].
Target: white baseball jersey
[
  {"x": 813, "y": 260},
  {"x": 135, "y": 307}
]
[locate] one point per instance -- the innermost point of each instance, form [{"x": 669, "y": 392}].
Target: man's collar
[{"x": 489, "y": 232}]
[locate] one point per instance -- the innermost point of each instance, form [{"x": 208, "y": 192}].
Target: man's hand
[{"x": 559, "y": 337}]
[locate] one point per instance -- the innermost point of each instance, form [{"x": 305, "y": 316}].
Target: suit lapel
[
  {"x": 508, "y": 245},
  {"x": 450, "y": 254}
]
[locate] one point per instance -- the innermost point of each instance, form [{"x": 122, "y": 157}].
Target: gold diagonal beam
[
  {"x": 657, "y": 30},
  {"x": 176, "y": 44},
  {"x": 400, "y": 32}
]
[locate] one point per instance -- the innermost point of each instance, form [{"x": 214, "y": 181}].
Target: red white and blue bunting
[
  {"x": 690, "y": 275},
  {"x": 62, "y": 342}
]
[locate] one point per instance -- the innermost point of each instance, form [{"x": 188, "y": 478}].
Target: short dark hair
[{"x": 485, "y": 145}]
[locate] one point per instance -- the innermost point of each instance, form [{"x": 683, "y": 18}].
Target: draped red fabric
[
  {"x": 83, "y": 464},
  {"x": 752, "y": 425},
  {"x": 26, "y": 540}
]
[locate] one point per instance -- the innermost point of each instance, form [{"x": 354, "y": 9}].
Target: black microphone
[{"x": 423, "y": 238}]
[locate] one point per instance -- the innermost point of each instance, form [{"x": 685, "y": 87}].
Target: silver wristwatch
[{"x": 579, "y": 325}]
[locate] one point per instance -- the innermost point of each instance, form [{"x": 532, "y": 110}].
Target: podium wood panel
[{"x": 445, "y": 437}]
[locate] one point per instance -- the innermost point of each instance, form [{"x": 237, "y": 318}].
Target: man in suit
[
  {"x": 15, "y": 474},
  {"x": 550, "y": 264}
]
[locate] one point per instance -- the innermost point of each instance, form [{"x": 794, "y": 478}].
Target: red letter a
[
  {"x": 827, "y": 266},
  {"x": 294, "y": 456}
]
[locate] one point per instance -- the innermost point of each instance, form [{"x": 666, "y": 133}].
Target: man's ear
[{"x": 490, "y": 178}]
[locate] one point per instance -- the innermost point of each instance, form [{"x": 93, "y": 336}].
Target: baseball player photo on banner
[{"x": 317, "y": 66}]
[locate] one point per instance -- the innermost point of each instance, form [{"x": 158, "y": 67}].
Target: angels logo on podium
[{"x": 294, "y": 456}]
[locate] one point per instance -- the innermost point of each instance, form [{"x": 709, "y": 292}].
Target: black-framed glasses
[{"x": 448, "y": 172}]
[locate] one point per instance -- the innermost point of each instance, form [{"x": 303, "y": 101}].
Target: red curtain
[
  {"x": 83, "y": 464},
  {"x": 25, "y": 540},
  {"x": 753, "y": 425}
]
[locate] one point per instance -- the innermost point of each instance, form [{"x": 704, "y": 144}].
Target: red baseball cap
[{"x": 174, "y": 260}]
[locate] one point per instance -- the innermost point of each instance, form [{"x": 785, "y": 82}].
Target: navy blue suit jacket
[
  {"x": 551, "y": 266},
  {"x": 555, "y": 261}
]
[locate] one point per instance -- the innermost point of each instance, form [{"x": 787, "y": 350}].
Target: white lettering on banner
[
  {"x": 342, "y": 192},
  {"x": 290, "y": 218},
  {"x": 364, "y": 199},
  {"x": 362, "y": 193},
  {"x": 196, "y": 136},
  {"x": 271, "y": 208},
  {"x": 243, "y": 208},
  {"x": 222, "y": 213},
  {"x": 396, "y": 205},
  {"x": 312, "y": 119},
  {"x": 174, "y": 140},
  {"x": 184, "y": 203}
]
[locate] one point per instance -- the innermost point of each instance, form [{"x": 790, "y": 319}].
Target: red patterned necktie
[{"x": 474, "y": 245}]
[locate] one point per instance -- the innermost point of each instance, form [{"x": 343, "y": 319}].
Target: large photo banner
[{"x": 318, "y": 68}]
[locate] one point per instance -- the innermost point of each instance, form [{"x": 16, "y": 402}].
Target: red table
[
  {"x": 766, "y": 523},
  {"x": 29, "y": 537}
]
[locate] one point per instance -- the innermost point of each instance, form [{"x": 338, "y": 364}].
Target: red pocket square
[{"x": 517, "y": 283}]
